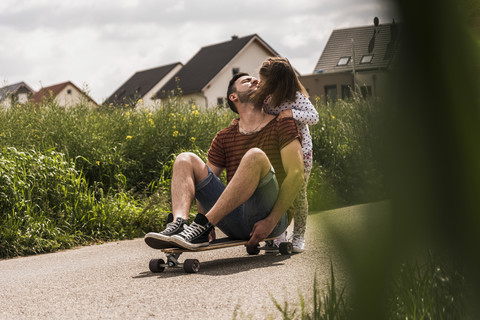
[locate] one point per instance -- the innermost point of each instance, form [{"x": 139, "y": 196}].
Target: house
[
  {"x": 18, "y": 93},
  {"x": 204, "y": 79},
  {"x": 65, "y": 94},
  {"x": 142, "y": 86},
  {"x": 355, "y": 58}
]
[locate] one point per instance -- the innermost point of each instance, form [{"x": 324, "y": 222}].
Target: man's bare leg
[
  {"x": 188, "y": 171},
  {"x": 253, "y": 167}
]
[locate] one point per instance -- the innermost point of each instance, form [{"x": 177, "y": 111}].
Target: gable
[
  {"x": 206, "y": 64},
  {"x": 44, "y": 93},
  {"x": 376, "y": 45},
  {"x": 57, "y": 90},
  {"x": 20, "y": 87},
  {"x": 139, "y": 84}
]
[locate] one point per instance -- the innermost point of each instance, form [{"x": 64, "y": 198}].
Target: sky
[{"x": 99, "y": 44}]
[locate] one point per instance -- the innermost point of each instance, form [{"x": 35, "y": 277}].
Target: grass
[
  {"x": 325, "y": 305},
  {"x": 425, "y": 288}
]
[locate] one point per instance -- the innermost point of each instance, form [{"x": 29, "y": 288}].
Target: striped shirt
[{"x": 230, "y": 145}]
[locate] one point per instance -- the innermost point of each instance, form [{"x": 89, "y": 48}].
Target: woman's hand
[{"x": 285, "y": 114}]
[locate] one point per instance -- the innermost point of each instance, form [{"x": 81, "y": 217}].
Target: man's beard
[{"x": 244, "y": 97}]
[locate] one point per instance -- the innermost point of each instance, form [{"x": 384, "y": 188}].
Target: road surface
[{"x": 112, "y": 280}]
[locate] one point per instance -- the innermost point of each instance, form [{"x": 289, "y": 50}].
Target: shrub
[
  {"x": 46, "y": 204},
  {"x": 346, "y": 143}
]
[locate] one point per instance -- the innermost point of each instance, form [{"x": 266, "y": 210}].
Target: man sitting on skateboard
[{"x": 263, "y": 159}]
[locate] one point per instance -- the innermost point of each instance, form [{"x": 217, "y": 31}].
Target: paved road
[{"x": 112, "y": 280}]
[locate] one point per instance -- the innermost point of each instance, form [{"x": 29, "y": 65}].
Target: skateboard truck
[{"x": 159, "y": 265}]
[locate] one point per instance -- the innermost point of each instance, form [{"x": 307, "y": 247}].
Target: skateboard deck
[
  {"x": 216, "y": 244},
  {"x": 193, "y": 265}
]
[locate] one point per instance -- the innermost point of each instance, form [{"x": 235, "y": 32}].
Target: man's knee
[
  {"x": 258, "y": 157},
  {"x": 256, "y": 154},
  {"x": 190, "y": 161},
  {"x": 186, "y": 157}
]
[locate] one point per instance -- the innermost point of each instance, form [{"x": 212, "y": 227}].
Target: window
[
  {"x": 343, "y": 61},
  {"x": 235, "y": 71},
  {"x": 346, "y": 92},
  {"x": 22, "y": 98},
  {"x": 366, "y": 91},
  {"x": 69, "y": 91},
  {"x": 220, "y": 101},
  {"x": 366, "y": 59},
  {"x": 331, "y": 92}
]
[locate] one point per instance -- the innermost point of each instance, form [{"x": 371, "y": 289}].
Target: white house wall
[
  {"x": 65, "y": 99},
  {"x": 196, "y": 98},
  {"x": 247, "y": 60},
  {"x": 148, "y": 102}
]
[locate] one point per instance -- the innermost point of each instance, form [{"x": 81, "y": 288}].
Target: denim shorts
[{"x": 239, "y": 223}]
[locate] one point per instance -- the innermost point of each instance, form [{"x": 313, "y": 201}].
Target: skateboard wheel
[
  {"x": 191, "y": 265},
  {"x": 285, "y": 248},
  {"x": 253, "y": 251},
  {"x": 156, "y": 265}
]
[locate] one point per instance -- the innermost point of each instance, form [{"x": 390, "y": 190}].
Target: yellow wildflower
[
  {"x": 127, "y": 113},
  {"x": 98, "y": 163},
  {"x": 128, "y": 138},
  {"x": 175, "y": 133},
  {"x": 194, "y": 113},
  {"x": 333, "y": 117},
  {"x": 192, "y": 139},
  {"x": 150, "y": 121}
]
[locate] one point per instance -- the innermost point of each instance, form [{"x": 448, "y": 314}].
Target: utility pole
[{"x": 353, "y": 64}]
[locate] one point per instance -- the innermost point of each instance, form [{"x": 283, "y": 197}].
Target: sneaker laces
[
  {"x": 298, "y": 241},
  {"x": 192, "y": 230},
  {"x": 172, "y": 225}
]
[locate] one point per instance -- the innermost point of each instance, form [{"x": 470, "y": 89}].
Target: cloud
[{"x": 102, "y": 43}]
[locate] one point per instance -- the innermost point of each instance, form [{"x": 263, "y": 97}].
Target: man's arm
[
  {"x": 292, "y": 160},
  {"x": 216, "y": 170}
]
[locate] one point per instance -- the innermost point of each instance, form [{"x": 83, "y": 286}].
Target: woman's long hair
[{"x": 279, "y": 80}]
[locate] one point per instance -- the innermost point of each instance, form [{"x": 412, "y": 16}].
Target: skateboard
[{"x": 193, "y": 265}]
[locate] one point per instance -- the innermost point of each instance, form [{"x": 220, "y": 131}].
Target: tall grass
[
  {"x": 345, "y": 142},
  {"x": 113, "y": 147},
  {"x": 46, "y": 204}
]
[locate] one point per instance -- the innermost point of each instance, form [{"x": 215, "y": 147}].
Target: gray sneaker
[
  {"x": 162, "y": 239},
  {"x": 298, "y": 243}
]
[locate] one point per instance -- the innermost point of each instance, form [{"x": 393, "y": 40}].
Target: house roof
[
  {"x": 55, "y": 90},
  {"x": 140, "y": 84},
  {"x": 7, "y": 90},
  {"x": 380, "y": 41},
  {"x": 207, "y": 63}
]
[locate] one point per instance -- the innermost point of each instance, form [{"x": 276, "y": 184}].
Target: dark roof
[
  {"x": 7, "y": 90},
  {"x": 206, "y": 64},
  {"x": 139, "y": 84},
  {"x": 380, "y": 41},
  {"x": 54, "y": 90}
]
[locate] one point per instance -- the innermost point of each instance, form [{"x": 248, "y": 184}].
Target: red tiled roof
[{"x": 54, "y": 90}]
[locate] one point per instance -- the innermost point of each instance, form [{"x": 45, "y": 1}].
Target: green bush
[
  {"x": 46, "y": 204},
  {"x": 346, "y": 143},
  {"x": 115, "y": 148}
]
